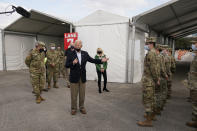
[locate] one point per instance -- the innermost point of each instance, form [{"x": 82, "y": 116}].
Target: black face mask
[
  {"x": 72, "y": 47},
  {"x": 41, "y": 50},
  {"x": 99, "y": 52},
  {"x": 78, "y": 50}
]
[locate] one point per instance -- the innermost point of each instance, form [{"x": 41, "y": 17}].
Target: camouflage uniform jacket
[
  {"x": 193, "y": 74},
  {"x": 168, "y": 64},
  {"x": 52, "y": 58},
  {"x": 35, "y": 61},
  {"x": 161, "y": 66},
  {"x": 150, "y": 75},
  {"x": 61, "y": 56},
  {"x": 173, "y": 64}
]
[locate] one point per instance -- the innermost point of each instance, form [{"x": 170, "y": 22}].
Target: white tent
[
  {"x": 1, "y": 52},
  {"x": 112, "y": 33},
  {"x": 20, "y": 36}
]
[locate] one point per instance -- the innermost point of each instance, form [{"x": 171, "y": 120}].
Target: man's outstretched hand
[{"x": 105, "y": 59}]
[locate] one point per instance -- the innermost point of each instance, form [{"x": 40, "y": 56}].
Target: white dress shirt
[{"x": 79, "y": 57}]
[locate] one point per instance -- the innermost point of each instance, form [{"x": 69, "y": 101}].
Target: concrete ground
[{"x": 118, "y": 110}]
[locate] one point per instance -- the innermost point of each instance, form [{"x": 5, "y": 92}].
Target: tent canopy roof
[
  {"x": 40, "y": 23},
  {"x": 101, "y": 17},
  {"x": 176, "y": 18}
]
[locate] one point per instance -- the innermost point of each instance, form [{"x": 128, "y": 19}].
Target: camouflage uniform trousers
[
  {"x": 193, "y": 93},
  {"x": 52, "y": 73},
  {"x": 61, "y": 69},
  {"x": 164, "y": 90},
  {"x": 148, "y": 98},
  {"x": 158, "y": 97},
  {"x": 38, "y": 81},
  {"x": 169, "y": 85},
  {"x": 67, "y": 71}
]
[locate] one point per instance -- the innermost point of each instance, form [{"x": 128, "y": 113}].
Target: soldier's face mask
[
  {"x": 194, "y": 47},
  {"x": 41, "y": 50},
  {"x": 146, "y": 47},
  {"x": 193, "y": 54},
  {"x": 52, "y": 48}
]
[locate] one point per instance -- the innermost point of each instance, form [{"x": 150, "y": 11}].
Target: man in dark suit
[{"x": 76, "y": 61}]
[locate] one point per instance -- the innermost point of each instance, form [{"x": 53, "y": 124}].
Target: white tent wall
[
  {"x": 113, "y": 39},
  {"x": 17, "y": 48},
  {"x": 51, "y": 39},
  {"x": 135, "y": 66},
  {"x": 1, "y": 52}
]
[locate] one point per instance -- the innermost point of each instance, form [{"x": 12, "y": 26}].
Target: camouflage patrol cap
[
  {"x": 158, "y": 46},
  {"x": 194, "y": 40},
  {"x": 151, "y": 40},
  {"x": 194, "y": 51},
  {"x": 41, "y": 43},
  {"x": 52, "y": 44},
  {"x": 170, "y": 49},
  {"x": 165, "y": 46},
  {"x": 58, "y": 45}
]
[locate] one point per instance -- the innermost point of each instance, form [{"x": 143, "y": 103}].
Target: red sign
[{"x": 69, "y": 38}]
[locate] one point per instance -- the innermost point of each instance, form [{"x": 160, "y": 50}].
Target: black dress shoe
[{"x": 105, "y": 89}]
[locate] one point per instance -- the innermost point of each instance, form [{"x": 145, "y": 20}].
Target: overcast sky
[{"x": 74, "y": 10}]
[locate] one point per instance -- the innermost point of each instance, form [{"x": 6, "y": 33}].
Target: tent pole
[
  {"x": 133, "y": 53},
  {"x": 3, "y": 51},
  {"x": 173, "y": 47},
  {"x": 71, "y": 28},
  {"x": 127, "y": 56}
]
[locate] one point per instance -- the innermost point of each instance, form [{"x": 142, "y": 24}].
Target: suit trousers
[{"x": 77, "y": 88}]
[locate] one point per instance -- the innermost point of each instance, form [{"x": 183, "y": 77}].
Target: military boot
[
  {"x": 147, "y": 122},
  {"x": 38, "y": 99},
  {"x": 42, "y": 99},
  {"x": 192, "y": 124},
  {"x": 49, "y": 86},
  {"x": 158, "y": 111},
  {"x": 55, "y": 85},
  {"x": 153, "y": 116}
]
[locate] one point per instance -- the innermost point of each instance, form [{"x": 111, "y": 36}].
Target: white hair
[{"x": 78, "y": 41}]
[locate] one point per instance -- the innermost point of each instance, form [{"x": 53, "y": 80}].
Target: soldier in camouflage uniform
[
  {"x": 172, "y": 69},
  {"x": 61, "y": 62},
  {"x": 168, "y": 70},
  {"x": 160, "y": 89},
  {"x": 35, "y": 62},
  {"x": 52, "y": 66},
  {"x": 149, "y": 80},
  {"x": 173, "y": 62},
  {"x": 163, "y": 81},
  {"x": 193, "y": 86}
]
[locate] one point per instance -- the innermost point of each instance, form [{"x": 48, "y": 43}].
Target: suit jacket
[{"x": 78, "y": 71}]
